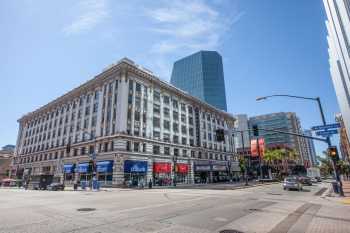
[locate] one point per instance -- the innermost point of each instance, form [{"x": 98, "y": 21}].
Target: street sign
[
  {"x": 326, "y": 127},
  {"x": 326, "y": 133}
]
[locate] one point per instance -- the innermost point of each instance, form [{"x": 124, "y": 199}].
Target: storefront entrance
[
  {"x": 135, "y": 173},
  {"x": 69, "y": 170},
  {"x": 162, "y": 174},
  {"x": 202, "y": 171},
  {"x": 220, "y": 171},
  {"x": 182, "y": 173},
  {"x": 84, "y": 176},
  {"x": 105, "y": 172}
]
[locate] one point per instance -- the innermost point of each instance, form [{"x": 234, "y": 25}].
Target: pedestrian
[{"x": 150, "y": 184}]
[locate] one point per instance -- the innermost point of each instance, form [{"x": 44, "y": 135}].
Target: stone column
[
  {"x": 191, "y": 172},
  {"x": 149, "y": 170},
  {"x": 118, "y": 170}
]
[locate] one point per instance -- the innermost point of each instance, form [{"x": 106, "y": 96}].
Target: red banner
[
  {"x": 182, "y": 168},
  {"x": 261, "y": 147},
  {"x": 254, "y": 148},
  {"x": 161, "y": 167}
]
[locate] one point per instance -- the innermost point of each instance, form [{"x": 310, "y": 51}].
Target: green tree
[{"x": 272, "y": 157}]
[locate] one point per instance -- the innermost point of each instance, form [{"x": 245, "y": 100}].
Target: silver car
[{"x": 292, "y": 182}]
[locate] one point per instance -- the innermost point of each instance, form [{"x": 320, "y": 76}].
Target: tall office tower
[
  {"x": 201, "y": 75},
  {"x": 311, "y": 151},
  {"x": 241, "y": 134},
  {"x": 338, "y": 26},
  {"x": 282, "y": 121}
]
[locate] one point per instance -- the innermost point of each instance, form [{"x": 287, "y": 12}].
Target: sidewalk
[{"x": 346, "y": 188}]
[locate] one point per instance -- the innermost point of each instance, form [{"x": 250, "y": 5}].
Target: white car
[{"x": 292, "y": 182}]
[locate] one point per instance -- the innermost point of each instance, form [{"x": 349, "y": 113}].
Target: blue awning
[
  {"x": 135, "y": 166},
  {"x": 68, "y": 168},
  {"x": 105, "y": 166},
  {"x": 83, "y": 167}
]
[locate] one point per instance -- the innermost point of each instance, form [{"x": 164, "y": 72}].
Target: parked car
[
  {"x": 305, "y": 180},
  {"x": 55, "y": 187},
  {"x": 313, "y": 180},
  {"x": 292, "y": 182}
]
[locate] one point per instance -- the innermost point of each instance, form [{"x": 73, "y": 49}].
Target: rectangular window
[
  {"x": 156, "y": 150},
  {"x": 183, "y": 129},
  {"x": 183, "y": 118},
  {"x": 175, "y": 127},
  {"x": 166, "y": 99},
  {"x": 156, "y": 109},
  {"x": 175, "y": 139},
  {"x": 166, "y": 112},
  {"x": 166, "y": 124},
  {"x": 156, "y": 96},
  {"x": 175, "y": 104},
  {"x": 175, "y": 116},
  {"x": 167, "y": 150},
  {"x": 156, "y": 122},
  {"x": 184, "y": 141},
  {"x": 166, "y": 137},
  {"x": 136, "y": 146},
  {"x": 176, "y": 152},
  {"x": 183, "y": 107},
  {"x": 156, "y": 135},
  {"x": 184, "y": 153}
]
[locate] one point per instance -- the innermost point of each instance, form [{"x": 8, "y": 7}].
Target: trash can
[{"x": 335, "y": 186}]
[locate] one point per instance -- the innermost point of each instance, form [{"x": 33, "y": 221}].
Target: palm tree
[{"x": 271, "y": 156}]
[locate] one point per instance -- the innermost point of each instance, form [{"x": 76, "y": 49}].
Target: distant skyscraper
[
  {"x": 242, "y": 134},
  {"x": 310, "y": 148},
  {"x": 283, "y": 121},
  {"x": 338, "y": 26},
  {"x": 201, "y": 75}
]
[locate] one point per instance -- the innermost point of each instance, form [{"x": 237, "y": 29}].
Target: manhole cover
[
  {"x": 230, "y": 231},
  {"x": 253, "y": 209},
  {"x": 275, "y": 194},
  {"x": 86, "y": 209}
]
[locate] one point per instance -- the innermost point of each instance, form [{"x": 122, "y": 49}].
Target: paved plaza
[{"x": 265, "y": 208}]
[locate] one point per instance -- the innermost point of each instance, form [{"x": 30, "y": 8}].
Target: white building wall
[{"x": 338, "y": 26}]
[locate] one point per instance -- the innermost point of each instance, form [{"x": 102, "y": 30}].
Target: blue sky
[{"x": 268, "y": 47}]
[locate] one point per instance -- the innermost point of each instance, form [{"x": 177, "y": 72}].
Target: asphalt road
[{"x": 256, "y": 209}]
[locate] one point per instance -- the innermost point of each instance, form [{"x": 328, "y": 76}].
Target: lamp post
[
  {"x": 244, "y": 155},
  {"x": 318, "y": 100},
  {"x": 174, "y": 169},
  {"x": 92, "y": 156}
]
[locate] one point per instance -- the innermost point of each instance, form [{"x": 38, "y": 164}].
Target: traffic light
[
  {"x": 333, "y": 152},
  {"x": 255, "y": 130},
  {"x": 220, "y": 135}
]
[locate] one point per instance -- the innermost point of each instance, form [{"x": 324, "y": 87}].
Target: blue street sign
[
  {"x": 326, "y": 127},
  {"x": 326, "y": 133}
]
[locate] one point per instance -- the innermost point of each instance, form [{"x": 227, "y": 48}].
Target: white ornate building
[{"x": 138, "y": 126}]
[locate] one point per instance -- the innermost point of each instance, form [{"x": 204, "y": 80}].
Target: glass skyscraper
[{"x": 201, "y": 75}]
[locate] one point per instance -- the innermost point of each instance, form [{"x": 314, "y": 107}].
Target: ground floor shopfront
[
  {"x": 206, "y": 171},
  {"x": 137, "y": 170}
]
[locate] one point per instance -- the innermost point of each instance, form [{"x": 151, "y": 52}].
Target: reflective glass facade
[{"x": 201, "y": 75}]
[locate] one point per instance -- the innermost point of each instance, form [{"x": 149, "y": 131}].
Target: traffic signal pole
[{"x": 335, "y": 167}]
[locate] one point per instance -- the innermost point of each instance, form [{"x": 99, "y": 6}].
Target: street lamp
[
  {"x": 92, "y": 156},
  {"x": 317, "y": 99},
  {"x": 174, "y": 169}
]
